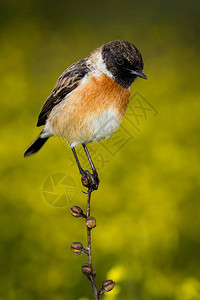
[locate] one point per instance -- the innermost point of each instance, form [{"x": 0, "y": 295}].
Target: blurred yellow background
[{"x": 147, "y": 206}]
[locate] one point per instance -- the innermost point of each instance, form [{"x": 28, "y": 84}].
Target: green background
[{"x": 147, "y": 206}]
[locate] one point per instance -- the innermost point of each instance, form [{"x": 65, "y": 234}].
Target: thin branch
[
  {"x": 92, "y": 277},
  {"x": 91, "y": 181}
]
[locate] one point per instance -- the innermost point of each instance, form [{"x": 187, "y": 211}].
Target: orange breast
[{"x": 73, "y": 117}]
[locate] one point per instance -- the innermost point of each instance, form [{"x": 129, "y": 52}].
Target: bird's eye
[{"x": 119, "y": 60}]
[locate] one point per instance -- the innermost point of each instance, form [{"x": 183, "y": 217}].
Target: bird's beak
[{"x": 139, "y": 74}]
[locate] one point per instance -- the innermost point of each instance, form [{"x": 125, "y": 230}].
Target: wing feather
[{"x": 65, "y": 84}]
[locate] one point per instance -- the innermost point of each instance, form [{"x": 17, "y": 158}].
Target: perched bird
[{"x": 90, "y": 99}]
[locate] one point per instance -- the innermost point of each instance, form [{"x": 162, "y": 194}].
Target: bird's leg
[
  {"x": 94, "y": 174},
  {"x": 88, "y": 180}
]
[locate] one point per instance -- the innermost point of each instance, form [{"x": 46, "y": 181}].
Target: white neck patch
[{"x": 99, "y": 67}]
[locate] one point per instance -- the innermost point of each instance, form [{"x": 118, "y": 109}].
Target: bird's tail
[{"x": 36, "y": 145}]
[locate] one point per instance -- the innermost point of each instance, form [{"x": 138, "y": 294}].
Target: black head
[{"x": 124, "y": 61}]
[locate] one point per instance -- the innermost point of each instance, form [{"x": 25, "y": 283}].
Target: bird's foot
[{"x": 91, "y": 181}]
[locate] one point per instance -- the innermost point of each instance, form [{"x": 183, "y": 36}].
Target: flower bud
[
  {"x": 108, "y": 285},
  {"x": 91, "y": 222},
  {"x": 76, "y": 211},
  {"x": 86, "y": 180},
  {"x": 77, "y": 247},
  {"x": 87, "y": 269}
]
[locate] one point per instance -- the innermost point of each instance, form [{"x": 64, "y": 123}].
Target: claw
[
  {"x": 84, "y": 192},
  {"x": 90, "y": 180}
]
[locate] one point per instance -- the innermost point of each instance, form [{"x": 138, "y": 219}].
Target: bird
[{"x": 89, "y": 100}]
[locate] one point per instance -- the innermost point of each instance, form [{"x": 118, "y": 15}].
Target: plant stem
[{"x": 92, "y": 277}]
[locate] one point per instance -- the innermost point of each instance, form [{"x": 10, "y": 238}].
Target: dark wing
[{"x": 66, "y": 83}]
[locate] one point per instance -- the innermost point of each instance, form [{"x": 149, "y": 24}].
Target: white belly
[{"x": 104, "y": 126}]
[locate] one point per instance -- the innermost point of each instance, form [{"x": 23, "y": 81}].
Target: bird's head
[{"x": 124, "y": 61}]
